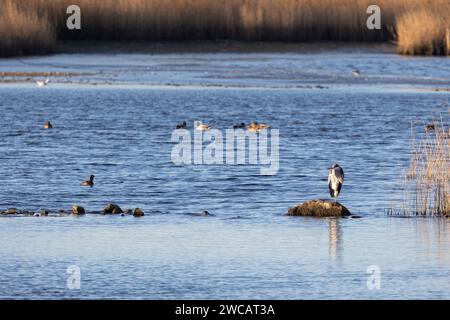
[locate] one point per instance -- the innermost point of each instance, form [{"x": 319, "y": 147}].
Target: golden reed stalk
[
  {"x": 34, "y": 26},
  {"x": 427, "y": 182}
]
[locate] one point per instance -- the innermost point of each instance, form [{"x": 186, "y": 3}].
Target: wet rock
[
  {"x": 319, "y": 208},
  {"x": 128, "y": 212},
  {"x": 138, "y": 212},
  {"x": 78, "y": 210},
  {"x": 10, "y": 211},
  {"x": 112, "y": 208},
  {"x": 43, "y": 212}
]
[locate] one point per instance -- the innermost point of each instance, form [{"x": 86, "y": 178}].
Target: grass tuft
[{"x": 427, "y": 181}]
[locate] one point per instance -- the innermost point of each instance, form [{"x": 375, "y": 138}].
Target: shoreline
[{"x": 218, "y": 46}]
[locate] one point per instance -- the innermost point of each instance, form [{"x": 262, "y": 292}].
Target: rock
[
  {"x": 128, "y": 211},
  {"x": 78, "y": 210},
  {"x": 205, "y": 213},
  {"x": 138, "y": 212},
  {"x": 43, "y": 212},
  {"x": 319, "y": 208},
  {"x": 10, "y": 211},
  {"x": 112, "y": 208}
]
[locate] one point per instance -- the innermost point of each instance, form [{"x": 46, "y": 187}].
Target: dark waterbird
[
  {"x": 89, "y": 183},
  {"x": 182, "y": 125},
  {"x": 430, "y": 127},
  {"x": 48, "y": 125},
  {"x": 239, "y": 126}
]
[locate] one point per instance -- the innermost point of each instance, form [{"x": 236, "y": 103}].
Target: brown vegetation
[
  {"x": 24, "y": 32},
  {"x": 33, "y": 26},
  {"x": 427, "y": 182},
  {"x": 424, "y": 31}
]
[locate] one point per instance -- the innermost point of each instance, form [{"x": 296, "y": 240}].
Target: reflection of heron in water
[{"x": 334, "y": 237}]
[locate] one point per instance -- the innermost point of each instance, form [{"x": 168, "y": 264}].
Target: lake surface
[{"x": 115, "y": 120}]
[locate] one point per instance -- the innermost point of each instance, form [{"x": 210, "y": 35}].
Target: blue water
[{"x": 248, "y": 247}]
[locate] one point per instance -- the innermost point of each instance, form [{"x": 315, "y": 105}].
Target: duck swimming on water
[
  {"x": 257, "y": 127},
  {"x": 203, "y": 127},
  {"x": 89, "y": 183},
  {"x": 48, "y": 125},
  {"x": 239, "y": 126},
  {"x": 430, "y": 127},
  {"x": 356, "y": 73},
  {"x": 182, "y": 125}
]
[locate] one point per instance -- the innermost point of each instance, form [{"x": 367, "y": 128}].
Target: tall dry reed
[
  {"x": 427, "y": 181},
  {"x": 424, "y": 31},
  {"x": 252, "y": 20},
  {"x": 24, "y": 32}
]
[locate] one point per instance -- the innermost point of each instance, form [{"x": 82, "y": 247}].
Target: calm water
[{"x": 120, "y": 128}]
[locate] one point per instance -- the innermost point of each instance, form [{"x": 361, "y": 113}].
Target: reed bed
[
  {"x": 24, "y": 32},
  {"x": 424, "y": 31},
  {"x": 427, "y": 181},
  {"x": 405, "y": 21}
]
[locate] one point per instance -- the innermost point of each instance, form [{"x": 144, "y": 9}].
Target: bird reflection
[{"x": 335, "y": 239}]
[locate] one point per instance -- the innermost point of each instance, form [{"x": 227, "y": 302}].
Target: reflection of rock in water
[{"x": 335, "y": 239}]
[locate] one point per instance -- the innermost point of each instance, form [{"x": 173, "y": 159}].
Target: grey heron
[
  {"x": 335, "y": 180},
  {"x": 89, "y": 183}
]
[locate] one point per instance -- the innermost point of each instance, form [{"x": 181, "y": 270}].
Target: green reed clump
[{"x": 427, "y": 181}]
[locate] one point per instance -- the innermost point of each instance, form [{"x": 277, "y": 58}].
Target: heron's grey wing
[{"x": 341, "y": 175}]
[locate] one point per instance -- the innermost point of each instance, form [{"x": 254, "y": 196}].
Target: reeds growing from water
[
  {"x": 424, "y": 31},
  {"x": 34, "y": 26},
  {"x": 427, "y": 181}
]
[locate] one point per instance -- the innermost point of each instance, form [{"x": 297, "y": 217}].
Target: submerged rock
[
  {"x": 78, "y": 210},
  {"x": 138, "y": 212},
  {"x": 112, "y": 208},
  {"x": 319, "y": 208},
  {"x": 10, "y": 211}
]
